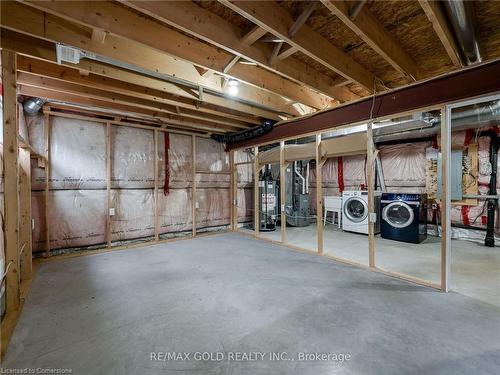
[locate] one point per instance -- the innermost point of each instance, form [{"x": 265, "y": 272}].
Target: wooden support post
[
  {"x": 11, "y": 197},
  {"x": 370, "y": 166},
  {"x": 25, "y": 242},
  {"x": 108, "y": 183},
  {"x": 283, "y": 166},
  {"x": 319, "y": 194},
  {"x": 194, "y": 203},
  {"x": 256, "y": 195},
  {"x": 233, "y": 192},
  {"x": 46, "y": 127},
  {"x": 446, "y": 197},
  {"x": 157, "y": 203}
]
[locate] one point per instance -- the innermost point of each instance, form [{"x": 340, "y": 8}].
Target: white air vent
[{"x": 68, "y": 54}]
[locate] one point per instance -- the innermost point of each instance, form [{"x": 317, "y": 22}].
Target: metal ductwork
[
  {"x": 253, "y": 132},
  {"x": 461, "y": 16},
  {"x": 32, "y": 105}
]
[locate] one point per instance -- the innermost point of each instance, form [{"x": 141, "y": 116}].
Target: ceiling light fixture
[{"x": 232, "y": 86}]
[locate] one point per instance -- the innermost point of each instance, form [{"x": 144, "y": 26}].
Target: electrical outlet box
[
  {"x": 196, "y": 205},
  {"x": 112, "y": 211},
  {"x": 372, "y": 217}
]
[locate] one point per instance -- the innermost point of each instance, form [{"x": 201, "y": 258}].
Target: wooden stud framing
[
  {"x": 108, "y": 184},
  {"x": 194, "y": 202},
  {"x": 46, "y": 132},
  {"x": 11, "y": 197},
  {"x": 156, "y": 172},
  {"x": 283, "y": 166},
  {"x": 446, "y": 222},
  {"x": 256, "y": 195},
  {"x": 319, "y": 194},
  {"x": 233, "y": 192},
  {"x": 370, "y": 169},
  {"x": 25, "y": 242},
  {"x": 446, "y": 197}
]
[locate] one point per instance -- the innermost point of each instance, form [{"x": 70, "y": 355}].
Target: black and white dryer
[{"x": 404, "y": 217}]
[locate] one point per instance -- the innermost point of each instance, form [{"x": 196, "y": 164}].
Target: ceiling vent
[{"x": 68, "y": 54}]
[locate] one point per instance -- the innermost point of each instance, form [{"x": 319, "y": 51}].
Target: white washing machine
[{"x": 355, "y": 211}]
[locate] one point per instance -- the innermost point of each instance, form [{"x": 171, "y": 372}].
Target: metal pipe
[
  {"x": 461, "y": 15},
  {"x": 307, "y": 178},
  {"x": 489, "y": 240},
  {"x": 477, "y": 196},
  {"x": 296, "y": 169}
]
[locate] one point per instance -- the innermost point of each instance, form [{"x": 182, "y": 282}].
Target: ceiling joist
[
  {"x": 45, "y": 51},
  {"x": 91, "y": 102},
  {"x": 32, "y": 80},
  {"x": 371, "y": 31},
  {"x": 62, "y": 73},
  {"x": 130, "y": 26},
  {"x": 31, "y": 21},
  {"x": 439, "y": 23},
  {"x": 278, "y": 21},
  {"x": 205, "y": 25},
  {"x": 302, "y": 19}
]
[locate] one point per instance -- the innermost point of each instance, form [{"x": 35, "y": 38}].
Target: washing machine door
[
  {"x": 398, "y": 214},
  {"x": 355, "y": 209}
]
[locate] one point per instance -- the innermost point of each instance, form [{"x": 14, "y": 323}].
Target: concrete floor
[
  {"x": 105, "y": 314},
  {"x": 475, "y": 269}
]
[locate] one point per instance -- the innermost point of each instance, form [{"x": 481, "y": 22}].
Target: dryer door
[
  {"x": 355, "y": 209},
  {"x": 398, "y": 214}
]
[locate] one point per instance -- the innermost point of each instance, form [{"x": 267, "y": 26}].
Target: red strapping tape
[
  {"x": 166, "y": 186},
  {"x": 340, "y": 173}
]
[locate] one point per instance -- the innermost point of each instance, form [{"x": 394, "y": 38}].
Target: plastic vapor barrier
[
  {"x": 77, "y": 154},
  {"x": 132, "y": 152},
  {"x": 77, "y": 206}
]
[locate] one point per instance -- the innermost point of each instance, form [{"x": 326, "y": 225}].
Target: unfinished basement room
[{"x": 250, "y": 187}]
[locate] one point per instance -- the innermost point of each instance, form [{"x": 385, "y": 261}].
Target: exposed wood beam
[
  {"x": 371, "y": 31},
  {"x": 86, "y": 101},
  {"x": 301, "y": 20},
  {"x": 356, "y": 8},
  {"x": 253, "y": 35},
  {"x": 201, "y": 71},
  {"x": 34, "y": 22},
  {"x": 130, "y": 26},
  {"x": 231, "y": 63},
  {"x": 438, "y": 20},
  {"x": 62, "y": 73},
  {"x": 205, "y": 25},
  {"x": 29, "y": 79},
  {"x": 274, "y": 54},
  {"x": 45, "y": 51},
  {"x": 271, "y": 39},
  {"x": 277, "y": 20},
  {"x": 287, "y": 53}
]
